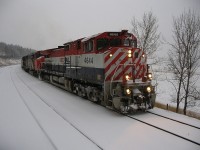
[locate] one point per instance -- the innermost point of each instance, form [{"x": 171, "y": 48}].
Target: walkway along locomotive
[{"x": 106, "y": 68}]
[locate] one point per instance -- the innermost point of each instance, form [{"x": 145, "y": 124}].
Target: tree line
[
  {"x": 13, "y": 51},
  {"x": 184, "y": 54}
]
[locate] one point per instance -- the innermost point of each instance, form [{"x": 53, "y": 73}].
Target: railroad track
[
  {"x": 174, "y": 120},
  {"x": 165, "y": 130},
  {"x": 52, "y": 108}
]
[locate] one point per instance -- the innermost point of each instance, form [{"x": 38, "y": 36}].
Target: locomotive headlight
[
  {"x": 128, "y": 91},
  {"x": 110, "y": 55},
  {"x": 148, "y": 89},
  {"x": 127, "y": 77},
  {"x": 129, "y": 55},
  {"x": 150, "y": 76}
]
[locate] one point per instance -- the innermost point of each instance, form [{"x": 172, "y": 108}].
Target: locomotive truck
[{"x": 106, "y": 68}]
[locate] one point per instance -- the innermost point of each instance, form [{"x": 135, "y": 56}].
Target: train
[{"x": 106, "y": 68}]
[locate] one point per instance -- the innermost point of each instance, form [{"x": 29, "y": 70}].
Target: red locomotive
[{"x": 107, "y": 68}]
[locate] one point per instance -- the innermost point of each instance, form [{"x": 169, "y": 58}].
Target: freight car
[{"x": 106, "y": 68}]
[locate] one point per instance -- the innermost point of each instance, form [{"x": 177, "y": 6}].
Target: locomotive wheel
[
  {"x": 81, "y": 91},
  {"x": 40, "y": 76},
  {"x": 92, "y": 97},
  {"x": 70, "y": 86}
]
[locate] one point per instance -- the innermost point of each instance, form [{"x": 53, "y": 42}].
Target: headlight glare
[
  {"x": 148, "y": 89},
  {"x": 127, "y": 77},
  {"x": 128, "y": 91},
  {"x": 150, "y": 76}
]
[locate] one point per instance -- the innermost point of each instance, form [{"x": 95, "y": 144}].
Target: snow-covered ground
[{"x": 37, "y": 115}]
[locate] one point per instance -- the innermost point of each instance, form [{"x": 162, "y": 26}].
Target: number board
[
  {"x": 88, "y": 60},
  {"x": 113, "y": 34}
]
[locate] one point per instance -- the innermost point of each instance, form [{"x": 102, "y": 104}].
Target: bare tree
[
  {"x": 185, "y": 54},
  {"x": 146, "y": 32},
  {"x": 177, "y": 58}
]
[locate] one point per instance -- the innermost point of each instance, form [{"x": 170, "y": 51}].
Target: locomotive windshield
[
  {"x": 129, "y": 42},
  {"x": 103, "y": 43},
  {"x": 115, "y": 42}
]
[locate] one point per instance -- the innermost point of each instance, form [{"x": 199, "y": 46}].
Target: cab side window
[
  {"x": 88, "y": 46},
  {"x": 134, "y": 43},
  {"x": 126, "y": 42},
  {"x": 66, "y": 47},
  {"x": 79, "y": 45},
  {"x": 102, "y": 43}
]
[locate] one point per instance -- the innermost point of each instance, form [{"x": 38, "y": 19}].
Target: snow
[
  {"x": 6, "y": 62},
  {"x": 188, "y": 132},
  {"x": 18, "y": 130},
  {"x": 37, "y": 115},
  {"x": 178, "y": 117},
  {"x": 165, "y": 90}
]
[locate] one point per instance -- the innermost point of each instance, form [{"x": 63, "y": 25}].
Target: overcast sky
[{"x": 42, "y": 24}]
